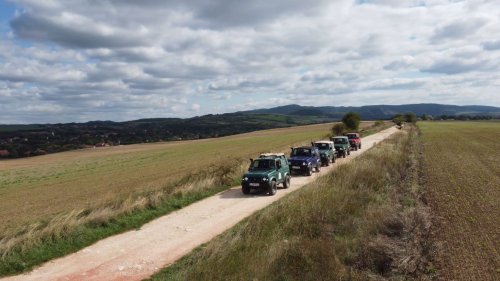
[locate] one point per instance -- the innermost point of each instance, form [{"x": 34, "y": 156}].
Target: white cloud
[
  {"x": 195, "y": 107},
  {"x": 119, "y": 60}
]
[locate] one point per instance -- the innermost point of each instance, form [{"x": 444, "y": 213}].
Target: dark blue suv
[{"x": 304, "y": 159}]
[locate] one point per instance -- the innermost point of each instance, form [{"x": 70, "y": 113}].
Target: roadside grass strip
[{"x": 362, "y": 221}]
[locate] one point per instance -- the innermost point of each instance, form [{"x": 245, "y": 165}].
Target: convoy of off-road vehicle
[{"x": 273, "y": 169}]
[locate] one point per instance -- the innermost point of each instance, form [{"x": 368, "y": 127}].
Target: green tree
[
  {"x": 398, "y": 119},
  {"x": 14, "y": 153},
  {"x": 351, "y": 120},
  {"x": 338, "y": 129},
  {"x": 410, "y": 117},
  {"x": 90, "y": 142},
  {"x": 424, "y": 116}
]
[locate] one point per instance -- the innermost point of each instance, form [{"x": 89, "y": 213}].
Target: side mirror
[
  {"x": 291, "y": 148},
  {"x": 312, "y": 143},
  {"x": 251, "y": 160}
]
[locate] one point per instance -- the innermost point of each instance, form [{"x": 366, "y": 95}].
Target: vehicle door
[
  {"x": 315, "y": 157},
  {"x": 280, "y": 172}
]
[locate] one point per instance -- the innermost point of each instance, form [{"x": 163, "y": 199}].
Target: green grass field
[
  {"x": 270, "y": 117},
  {"x": 462, "y": 176}
]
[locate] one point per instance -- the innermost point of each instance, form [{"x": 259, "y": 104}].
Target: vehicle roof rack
[
  {"x": 272, "y": 154},
  {"x": 323, "y": 142}
]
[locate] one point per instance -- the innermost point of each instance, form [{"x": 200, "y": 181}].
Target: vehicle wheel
[
  {"x": 318, "y": 168},
  {"x": 328, "y": 162},
  {"x": 334, "y": 159},
  {"x": 272, "y": 188},
  {"x": 309, "y": 171},
  {"x": 344, "y": 155},
  {"x": 246, "y": 190},
  {"x": 349, "y": 151},
  {"x": 359, "y": 145},
  {"x": 356, "y": 148},
  {"x": 286, "y": 183}
]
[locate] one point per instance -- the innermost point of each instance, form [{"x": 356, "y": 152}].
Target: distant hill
[{"x": 372, "y": 112}]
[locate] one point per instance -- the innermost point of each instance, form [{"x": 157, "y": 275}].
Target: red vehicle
[{"x": 354, "y": 140}]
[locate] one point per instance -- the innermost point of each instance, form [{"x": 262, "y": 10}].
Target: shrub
[
  {"x": 351, "y": 120},
  {"x": 338, "y": 129},
  {"x": 410, "y": 117},
  {"x": 379, "y": 123},
  {"x": 398, "y": 119}
]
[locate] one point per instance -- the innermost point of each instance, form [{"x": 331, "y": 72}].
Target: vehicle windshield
[
  {"x": 263, "y": 164},
  {"x": 322, "y": 145},
  {"x": 339, "y": 140},
  {"x": 352, "y": 136},
  {"x": 301, "y": 152}
]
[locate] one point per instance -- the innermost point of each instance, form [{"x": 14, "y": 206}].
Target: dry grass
[
  {"x": 363, "y": 221},
  {"x": 75, "y": 198},
  {"x": 87, "y": 179},
  {"x": 462, "y": 175}
]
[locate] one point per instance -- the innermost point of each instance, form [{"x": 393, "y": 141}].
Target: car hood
[
  {"x": 300, "y": 158},
  {"x": 257, "y": 173},
  {"x": 321, "y": 151},
  {"x": 340, "y": 144}
]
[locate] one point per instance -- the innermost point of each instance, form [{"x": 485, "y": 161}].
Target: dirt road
[{"x": 135, "y": 255}]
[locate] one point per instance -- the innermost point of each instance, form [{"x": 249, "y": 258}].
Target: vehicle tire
[
  {"x": 349, "y": 151},
  {"x": 359, "y": 145},
  {"x": 318, "y": 168},
  {"x": 246, "y": 190},
  {"x": 286, "y": 183},
  {"x": 309, "y": 171},
  {"x": 334, "y": 159},
  {"x": 327, "y": 162},
  {"x": 344, "y": 155},
  {"x": 272, "y": 188},
  {"x": 356, "y": 148}
]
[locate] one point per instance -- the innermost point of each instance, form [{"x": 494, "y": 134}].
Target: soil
[{"x": 135, "y": 255}]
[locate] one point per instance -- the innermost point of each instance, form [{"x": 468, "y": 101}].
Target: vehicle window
[
  {"x": 278, "y": 164},
  {"x": 339, "y": 141},
  {"x": 352, "y": 136},
  {"x": 321, "y": 145},
  {"x": 263, "y": 164},
  {"x": 301, "y": 152}
]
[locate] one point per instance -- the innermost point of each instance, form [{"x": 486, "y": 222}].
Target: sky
[{"x": 81, "y": 60}]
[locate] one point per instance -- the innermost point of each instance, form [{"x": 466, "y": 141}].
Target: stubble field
[
  {"x": 462, "y": 177},
  {"x": 49, "y": 185}
]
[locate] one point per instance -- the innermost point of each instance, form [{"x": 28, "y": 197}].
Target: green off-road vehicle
[
  {"x": 342, "y": 146},
  {"x": 267, "y": 172},
  {"x": 326, "y": 151}
]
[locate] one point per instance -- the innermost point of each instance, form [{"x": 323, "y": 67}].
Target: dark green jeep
[
  {"x": 326, "y": 151},
  {"x": 267, "y": 172},
  {"x": 342, "y": 146}
]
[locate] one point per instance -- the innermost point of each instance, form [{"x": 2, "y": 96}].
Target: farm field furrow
[
  {"x": 48, "y": 185},
  {"x": 462, "y": 177}
]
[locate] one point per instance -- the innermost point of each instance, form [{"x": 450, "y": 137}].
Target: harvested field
[
  {"x": 462, "y": 177},
  {"x": 48, "y": 185}
]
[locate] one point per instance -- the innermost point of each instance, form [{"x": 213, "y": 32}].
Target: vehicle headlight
[
  {"x": 245, "y": 179},
  {"x": 341, "y": 149},
  {"x": 304, "y": 163},
  {"x": 265, "y": 179}
]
